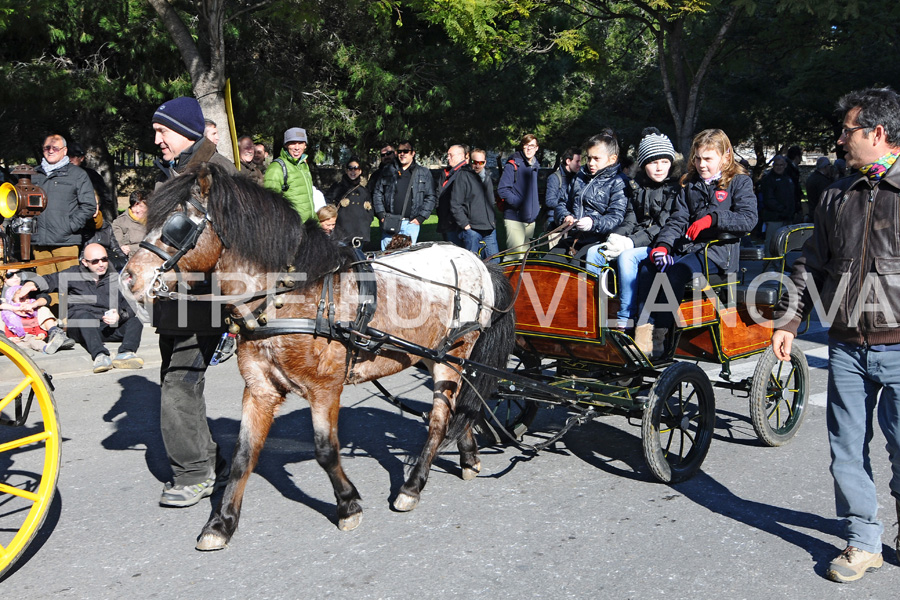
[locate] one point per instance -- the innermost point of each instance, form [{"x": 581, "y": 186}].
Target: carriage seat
[
  {"x": 765, "y": 295},
  {"x": 752, "y": 253}
]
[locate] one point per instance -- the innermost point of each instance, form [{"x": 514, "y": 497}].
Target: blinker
[{"x": 180, "y": 232}]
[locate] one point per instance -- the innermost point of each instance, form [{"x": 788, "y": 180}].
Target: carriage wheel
[
  {"x": 778, "y": 396},
  {"x": 678, "y": 422},
  {"x": 29, "y": 452},
  {"x": 514, "y": 413}
]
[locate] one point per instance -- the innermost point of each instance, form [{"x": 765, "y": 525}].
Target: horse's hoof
[
  {"x": 405, "y": 503},
  {"x": 350, "y": 523},
  {"x": 210, "y": 541},
  {"x": 471, "y": 472}
]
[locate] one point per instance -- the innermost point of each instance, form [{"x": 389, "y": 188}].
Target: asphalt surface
[{"x": 585, "y": 520}]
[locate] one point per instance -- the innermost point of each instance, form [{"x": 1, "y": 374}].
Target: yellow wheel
[{"x": 29, "y": 451}]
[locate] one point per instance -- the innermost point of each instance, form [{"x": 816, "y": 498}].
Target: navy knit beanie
[
  {"x": 182, "y": 115},
  {"x": 654, "y": 146}
]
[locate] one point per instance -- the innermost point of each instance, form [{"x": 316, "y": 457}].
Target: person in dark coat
[
  {"x": 518, "y": 187},
  {"x": 652, "y": 196},
  {"x": 717, "y": 197},
  {"x": 817, "y": 182},
  {"x": 471, "y": 213},
  {"x": 596, "y": 203},
  {"x": 353, "y": 202},
  {"x": 70, "y": 206},
  {"x": 777, "y": 188}
]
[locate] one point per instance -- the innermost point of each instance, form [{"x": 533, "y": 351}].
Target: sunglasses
[
  {"x": 403, "y": 151},
  {"x": 383, "y": 154},
  {"x": 478, "y": 162},
  {"x": 53, "y": 148},
  {"x": 356, "y": 168},
  {"x": 94, "y": 261}
]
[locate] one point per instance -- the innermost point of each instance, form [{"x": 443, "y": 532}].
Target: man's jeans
[
  {"x": 472, "y": 241},
  {"x": 406, "y": 228},
  {"x": 856, "y": 375}
]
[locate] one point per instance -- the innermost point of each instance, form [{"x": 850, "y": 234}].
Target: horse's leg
[
  {"x": 256, "y": 419},
  {"x": 468, "y": 455},
  {"x": 444, "y": 389},
  {"x": 324, "y": 406}
]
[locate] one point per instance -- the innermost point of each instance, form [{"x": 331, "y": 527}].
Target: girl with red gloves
[{"x": 717, "y": 196}]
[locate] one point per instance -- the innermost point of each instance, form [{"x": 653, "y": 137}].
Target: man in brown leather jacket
[{"x": 853, "y": 262}]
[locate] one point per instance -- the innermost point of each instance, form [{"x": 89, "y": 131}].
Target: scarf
[
  {"x": 48, "y": 168},
  {"x": 876, "y": 170},
  {"x": 715, "y": 177},
  {"x": 135, "y": 219}
]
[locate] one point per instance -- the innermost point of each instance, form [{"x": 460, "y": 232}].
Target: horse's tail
[{"x": 492, "y": 348}]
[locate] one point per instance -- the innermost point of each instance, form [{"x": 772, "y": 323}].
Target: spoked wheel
[
  {"x": 778, "y": 396},
  {"x": 508, "y": 415},
  {"x": 29, "y": 452},
  {"x": 678, "y": 422}
]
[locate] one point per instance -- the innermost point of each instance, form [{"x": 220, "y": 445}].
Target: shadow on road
[
  {"x": 136, "y": 416},
  {"x": 781, "y": 522}
]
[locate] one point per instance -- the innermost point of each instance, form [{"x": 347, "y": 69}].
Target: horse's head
[{"x": 182, "y": 236}]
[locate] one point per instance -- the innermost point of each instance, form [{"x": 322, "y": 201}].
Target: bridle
[{"x": 180, "y": 232}]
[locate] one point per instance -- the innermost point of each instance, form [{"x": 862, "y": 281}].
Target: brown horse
[{"x": 436, "y": 296}]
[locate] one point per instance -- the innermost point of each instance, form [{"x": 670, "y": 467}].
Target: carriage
[
  {"x": 313, "y": 315},
  {"x": 563, "y": 341}
]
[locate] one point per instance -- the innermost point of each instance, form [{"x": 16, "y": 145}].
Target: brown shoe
[
  {"x": 643, "y": 338},
  {"x": 852, "y": 564}
]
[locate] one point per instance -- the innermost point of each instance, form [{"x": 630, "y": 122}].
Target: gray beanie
[{"x": 654, "y": 146}]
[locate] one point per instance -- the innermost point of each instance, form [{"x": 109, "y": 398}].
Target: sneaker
[
  {"x": 182, "y": 496},
  {"x": 127, "y": 360},
  {"x": 102, "y": 363},
  {"x": 55, "y": 341},
  {"x": 68, "y": 343},
  {"x": 852, "y": 564}
]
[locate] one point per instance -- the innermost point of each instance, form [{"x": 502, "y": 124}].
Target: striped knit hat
[
  {"x": 654, "y": 146},
  {"x": 182, "y": 115}
]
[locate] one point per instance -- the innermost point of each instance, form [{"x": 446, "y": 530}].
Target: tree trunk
[
  {"x": 207, "y": 74},
  {"x": 683, "y": 86},
  {"x": 98, "y": 157}
]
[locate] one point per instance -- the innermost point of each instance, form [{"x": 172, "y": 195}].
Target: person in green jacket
[{"x": 289, "y": 174}]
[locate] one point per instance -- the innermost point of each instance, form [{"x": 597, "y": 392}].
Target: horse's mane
[{"x": 258, "y": 225}]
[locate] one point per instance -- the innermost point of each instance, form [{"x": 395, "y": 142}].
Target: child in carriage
[
  {"x": 717, "y": 196},
  {"x": 596, "y": 203},
  {"x": 652, "y": 197}
]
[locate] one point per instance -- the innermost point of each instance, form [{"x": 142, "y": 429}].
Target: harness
[{"x": 181, "y": 232}]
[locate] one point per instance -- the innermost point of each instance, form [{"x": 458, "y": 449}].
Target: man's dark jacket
[
  {"x": 815, "y": 186},
  {"x": 468, "y": 202},
  {"x": 82, "y": 296},
  {"x": 420, "y": 193},
  {"x": 70, "y": 206},
  {"x": 855, "y": 245}
]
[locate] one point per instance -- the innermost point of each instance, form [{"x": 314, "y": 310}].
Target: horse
[{"x": 211, "y": 224}]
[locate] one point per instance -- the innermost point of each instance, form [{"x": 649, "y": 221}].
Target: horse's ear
[{"x": 204, "y": 180}]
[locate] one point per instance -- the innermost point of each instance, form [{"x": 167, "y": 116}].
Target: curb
[{"x": 78, "y": 362}]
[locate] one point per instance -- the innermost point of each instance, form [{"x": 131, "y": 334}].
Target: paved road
[{"x": 585, "y": 521}]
